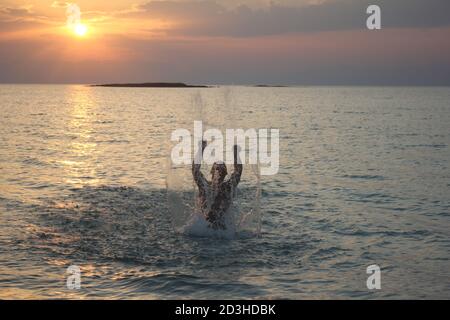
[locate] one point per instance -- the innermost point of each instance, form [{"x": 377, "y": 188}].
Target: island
[
  {"x": 269, "y": 86},
  {"x": 150, "y": 85}
]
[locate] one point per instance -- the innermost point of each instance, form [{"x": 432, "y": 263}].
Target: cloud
[
  {"x": 7, "y": 26},
  {"x": 395, "y": 56},
  {"x": 209, "y": 18},
  {"x": 16, "y": 12},
  {"x": 20, "y": 18},
  {"x": 313, "y": 43},
  {"x": 59, "y": 4}
]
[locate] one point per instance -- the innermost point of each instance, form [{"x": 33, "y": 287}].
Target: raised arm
[
  {"x": 236, "y": 175},
  {"x": 196, "y": 172}
]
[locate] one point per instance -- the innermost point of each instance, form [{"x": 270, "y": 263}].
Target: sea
[{"x": 363, "y": 180}]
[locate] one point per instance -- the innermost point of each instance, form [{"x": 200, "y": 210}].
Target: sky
[{"x": 289, "y": 42}]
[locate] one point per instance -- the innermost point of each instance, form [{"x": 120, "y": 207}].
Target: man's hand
[{"x": 237, "y": 149}]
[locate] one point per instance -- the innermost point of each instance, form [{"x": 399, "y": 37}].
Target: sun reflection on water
[{"x": 80, "y": 161}]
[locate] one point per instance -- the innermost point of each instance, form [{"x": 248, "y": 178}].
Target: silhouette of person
[{"x": 216, "y": 196}]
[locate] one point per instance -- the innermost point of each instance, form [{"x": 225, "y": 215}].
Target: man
[{"x": 216, "y": 196}]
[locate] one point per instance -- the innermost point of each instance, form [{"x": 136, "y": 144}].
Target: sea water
[{"x": 364, "y": 179}]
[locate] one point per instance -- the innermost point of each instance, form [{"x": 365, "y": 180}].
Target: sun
[{"x": 80, "y": 29}]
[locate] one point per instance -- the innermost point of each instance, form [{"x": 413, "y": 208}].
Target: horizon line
[{"x": 280, "y": 85}]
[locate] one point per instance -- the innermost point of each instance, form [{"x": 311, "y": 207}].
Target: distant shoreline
[
  {"x": 149, "y": 85},
  {"x": 170, "y": 85},
  {"x": 269, "y": 86}
]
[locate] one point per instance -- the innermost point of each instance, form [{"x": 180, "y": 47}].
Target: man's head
[{"x": 218, "y": 171}]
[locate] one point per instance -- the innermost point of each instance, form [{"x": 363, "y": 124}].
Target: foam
[{"x": 197, "y": 226}]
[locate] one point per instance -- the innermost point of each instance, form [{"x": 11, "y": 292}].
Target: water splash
[{"x": 244, "y": 215}]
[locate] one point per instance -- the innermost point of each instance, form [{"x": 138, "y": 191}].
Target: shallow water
[{"x": 364, "y": 179}]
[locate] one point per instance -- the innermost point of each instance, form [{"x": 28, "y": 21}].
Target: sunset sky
[{"x": 226, "y": 42}]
